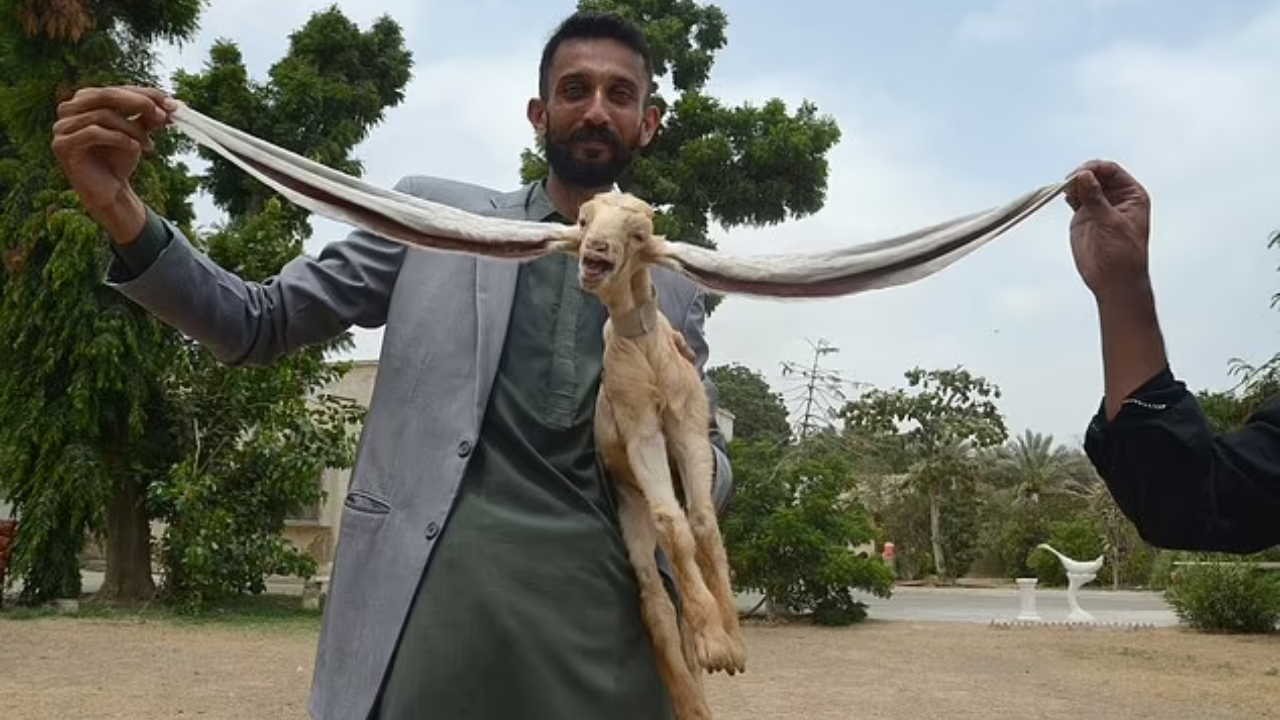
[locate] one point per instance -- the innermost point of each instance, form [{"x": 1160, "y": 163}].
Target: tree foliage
[
  {"x": 948, "y": 415},
  {"x": 82, "y": 420},
  {"x": 108, "y": 419},
  {"x": 759, "y": 412},
  {"x": 320, "y": 100},
  {"x": 796, "y": 521}
]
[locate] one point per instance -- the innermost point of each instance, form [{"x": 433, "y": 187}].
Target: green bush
[
  {"x": 1229, "y": 597},
  {"x": 793, "y": 527}
]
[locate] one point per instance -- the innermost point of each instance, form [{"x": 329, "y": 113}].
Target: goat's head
[{"x": 616, "y": 240}]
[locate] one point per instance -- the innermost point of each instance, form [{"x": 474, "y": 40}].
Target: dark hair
[{"x": 590, "y": 25}]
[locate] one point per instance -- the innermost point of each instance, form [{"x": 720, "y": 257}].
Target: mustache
[{"x": 596, "y": 134}]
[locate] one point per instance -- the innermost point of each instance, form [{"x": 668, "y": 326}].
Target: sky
[{"x": 946, "y": 107}]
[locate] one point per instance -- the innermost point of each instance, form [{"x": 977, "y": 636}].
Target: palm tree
[{"x": 1032, "y": 465}]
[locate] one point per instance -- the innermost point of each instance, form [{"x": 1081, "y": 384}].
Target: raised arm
[
  {"x": 1183, "y": 486},
  {"x": 309, "y": 301},
  {"x": 99, "y": 138}
]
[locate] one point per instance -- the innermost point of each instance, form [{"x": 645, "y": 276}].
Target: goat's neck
[{"x": 633, "y": 306}]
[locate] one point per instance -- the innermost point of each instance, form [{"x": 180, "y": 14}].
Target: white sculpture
[{"x": 1079, "y": 573}]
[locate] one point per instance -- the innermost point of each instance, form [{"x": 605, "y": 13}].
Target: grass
[{"x": 275, "y": 611}]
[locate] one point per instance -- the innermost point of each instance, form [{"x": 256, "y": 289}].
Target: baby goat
[{"x": 651, "y": 409}]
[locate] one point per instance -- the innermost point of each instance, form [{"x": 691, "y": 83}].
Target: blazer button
[
  {"x": 433, "y": 529},
  {"x": 464, "y": 448}
]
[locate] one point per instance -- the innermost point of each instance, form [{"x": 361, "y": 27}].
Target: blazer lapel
[{"x": 496, "y": 287}]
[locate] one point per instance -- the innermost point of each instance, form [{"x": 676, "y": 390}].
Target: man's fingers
[
  {"x": 106, "y": 119},
  {"x": 1115, "y": 182},
  {"x": 148, "y": 103},
  {"x": 1084, "y": 190},
  {"x": 94, "y": 136},
  {"x": 1089, "y": 189}
]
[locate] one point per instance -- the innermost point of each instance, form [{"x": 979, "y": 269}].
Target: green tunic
[{"x": 529, "y": 608}]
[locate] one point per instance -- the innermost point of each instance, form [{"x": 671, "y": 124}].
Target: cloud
[{"x": 1019, "y": 20}]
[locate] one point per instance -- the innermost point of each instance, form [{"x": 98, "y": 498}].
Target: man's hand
[
  {"x": 98, "y": 139},
  {"x": 1110, "y": 229}
]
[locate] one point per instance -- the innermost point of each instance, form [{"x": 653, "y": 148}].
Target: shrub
[
  {"x": 793, "y": 528},
  {"x": 1229, "y": 597}
]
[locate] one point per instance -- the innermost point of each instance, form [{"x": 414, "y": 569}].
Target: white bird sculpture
[
  {"x": 1079, "y": 574},
  {"x": 1075, "y": 567}
]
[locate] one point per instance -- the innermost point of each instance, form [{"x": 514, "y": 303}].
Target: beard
[{"x": 585, "y": 172}]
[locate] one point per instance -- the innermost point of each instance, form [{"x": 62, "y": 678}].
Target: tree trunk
[
  {"x": 128, "y": 547},
  {"x": 935, "y": 533}
]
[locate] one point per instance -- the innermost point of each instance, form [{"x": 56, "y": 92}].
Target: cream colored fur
[{"x": 652, "y": 412}]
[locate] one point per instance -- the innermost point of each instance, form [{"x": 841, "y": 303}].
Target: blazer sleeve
[
  {"x": 311, "y": 300},
  {"x": 1183, "y": 486},
  {"x": 695, "y": 336}
]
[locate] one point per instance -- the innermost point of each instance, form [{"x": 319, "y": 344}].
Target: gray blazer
[{"x": 446, "y": 320}]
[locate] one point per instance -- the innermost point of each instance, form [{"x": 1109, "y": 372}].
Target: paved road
[
  {"x": 983, "y": 605},
  {"x": 971, "y": 605}
]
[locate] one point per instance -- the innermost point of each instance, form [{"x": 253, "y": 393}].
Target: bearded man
[{"x": 480, "y": 572}]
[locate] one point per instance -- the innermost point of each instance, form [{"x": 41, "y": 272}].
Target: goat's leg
[
  {"x": 689, "y": 648},
  {"x": 684, "y": 683},
  {"x": 696, "y": 466},
  {"x": 647, "y": 455}
]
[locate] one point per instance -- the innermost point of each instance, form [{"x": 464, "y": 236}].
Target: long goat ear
[
  {"x": 392, "y": 214},
  {"x": 421, "y": 223},
  {"x": 870, "y": 266}
]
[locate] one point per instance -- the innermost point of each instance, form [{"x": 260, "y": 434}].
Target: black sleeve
[{"x": 1182, "y": 485}]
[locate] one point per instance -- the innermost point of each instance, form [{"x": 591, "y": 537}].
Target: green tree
[
  {"x": 83, "y": 424},
  {"x": 1032, "y": 465},
  {"x": 758, "y": 411},
  {"x": 749, "y": 165},
  {"x": 796, "y": 520},
  {"x": 950, "y": 415},
  {"x": 107, "y": 418},
  {"x": 256, "y": 440}
]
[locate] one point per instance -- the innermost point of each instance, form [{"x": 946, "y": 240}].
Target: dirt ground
[{"x": 149, "y": 670}]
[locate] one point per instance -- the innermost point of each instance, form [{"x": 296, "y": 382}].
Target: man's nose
[{"x": 596, "y": 110}]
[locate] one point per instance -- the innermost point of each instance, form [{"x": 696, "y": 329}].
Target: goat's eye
[
  {"x": 582, "y": 223},
  {"x": 637, "y": 236}
]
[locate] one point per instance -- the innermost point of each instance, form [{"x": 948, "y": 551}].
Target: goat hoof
[
  {"x": 715, "y": 650},
  {"x": 738, "y": 655}
]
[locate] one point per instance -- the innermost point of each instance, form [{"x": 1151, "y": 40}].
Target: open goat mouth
[{"x": 593, "y": 269}]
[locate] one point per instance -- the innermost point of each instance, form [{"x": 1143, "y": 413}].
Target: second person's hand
[{"x": 1110, "y": 228}]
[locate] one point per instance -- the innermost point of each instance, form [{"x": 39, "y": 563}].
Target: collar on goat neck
[{"x": 640, "y": 319}]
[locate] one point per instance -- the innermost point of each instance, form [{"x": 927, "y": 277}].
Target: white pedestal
[
  {"x": 1027, "y": 597},
  {"x": 1074, "y": 583}
]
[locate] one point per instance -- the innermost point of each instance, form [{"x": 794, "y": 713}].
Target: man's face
[{"x": 595, "y": 116}]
